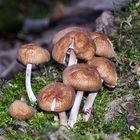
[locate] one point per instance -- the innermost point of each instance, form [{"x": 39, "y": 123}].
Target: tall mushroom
[
  {"x": 108, "y": 74},
  {"x": 78, "y": 45},
  {"x": 56, "y": 97},
  {"x": 30, "y": 54},
  {"x": 81, "y": 77}
]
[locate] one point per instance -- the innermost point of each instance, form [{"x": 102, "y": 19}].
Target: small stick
[
  {"x": 8, "y": 69},
  {"x": 130, "y": 104}
]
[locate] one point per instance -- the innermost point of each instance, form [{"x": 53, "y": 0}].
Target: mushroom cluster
[
  {"x": 94, "y": 50},
  {"x": 86, "y": 56}
]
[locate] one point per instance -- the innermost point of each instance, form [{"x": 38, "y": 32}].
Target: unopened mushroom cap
[
  {"x": 32, "y": 54},
  {"x": 20, "y": 110},
  {"x": 61, "y": 94},
  {"x": 104, "y": 47},
  {"x": 82, "y": 77},
  {"x": 83, "y": 47},
  {"x": 63, "y": 32},
  {"x": 106, "y": 70}
]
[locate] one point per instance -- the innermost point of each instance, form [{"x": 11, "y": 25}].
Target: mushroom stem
[
  {"x": 75, "y": 109},
  {"x": 88, "y": 106},
  {"x": 72, "y": 58},
  {"x": 30, "y": 93},
  {"x": 63, "y": 120}
]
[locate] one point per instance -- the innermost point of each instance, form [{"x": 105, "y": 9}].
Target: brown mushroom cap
[
  {"x": 63, "y": 94},
  {"x": 84, "y": 48},
  {"x": 106, "y": 70},
  {"x": 63, "y": 32},
  {"x": 104, "y": 47},
  {"x": 96, "y": 34},
  {"x": 82, "y": 77},
  {"x": 32, "y": 54},
  {"x": 20, "y": 110}
]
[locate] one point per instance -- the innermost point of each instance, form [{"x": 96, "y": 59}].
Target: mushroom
[
  {"x": 30, "y": 54},
  {"x": 81, "y": 77},
  {"x": 74, "y": 42},
  {"x": 108, "y": 74},
  {"x": 57, "y": 97},
  {"x": 20, "y": 110},
  {"x": 106, "y": 70},
  {"x": 104, "y": 47}
]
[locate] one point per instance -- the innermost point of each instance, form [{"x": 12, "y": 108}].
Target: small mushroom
[
  {"x": 104, "y": 47},
  {"x": 57, "y": 97},
  {"x": 30, "y": 54},
  {"x": 20, "y": 110},
  {"x": 108, "y": 74},
  {"x": 106, "y": 70},
  {"x": 81, "y": 77}
]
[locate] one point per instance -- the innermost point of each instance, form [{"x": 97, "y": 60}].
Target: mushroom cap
[
  {"x": 20, "y": 110},
  {"x": 63, "y": 32},
  {"x": 32, "y": 54},
  {"x": 82, "y": 77},
  {"x": 104, "y": 47},
  {"x": 84, "y": 48},
  {"x": 106, "y": 70},
  {"x": 63, "y": 94},
  {"x": 96, "y": 34}
]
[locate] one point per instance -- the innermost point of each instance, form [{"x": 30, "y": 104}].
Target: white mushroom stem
[
  {"x": 75, "y": 109},
  {"x": 30, "y": 93},
  {"x": 88, "y": 106},
  {"x": 63, "y": 120},
  {"x": 72, "y": 58}
]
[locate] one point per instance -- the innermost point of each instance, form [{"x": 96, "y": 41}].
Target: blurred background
[{"x": 23, "y": 21}]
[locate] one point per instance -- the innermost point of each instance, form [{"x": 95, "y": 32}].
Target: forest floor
[{"x": 109, "y": 119}]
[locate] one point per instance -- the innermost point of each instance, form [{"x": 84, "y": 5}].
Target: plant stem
[{"x": 30, "y": 93}]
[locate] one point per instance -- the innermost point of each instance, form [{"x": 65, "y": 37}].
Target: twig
[
  {"x": 35, "y": 25},
  {"x": 10, "y": 54},
  {"x": 130, "y": 104},
  {"x": 8, "y": 69}
]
